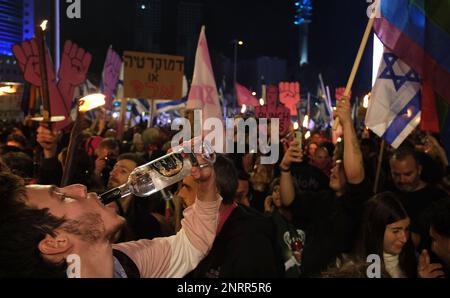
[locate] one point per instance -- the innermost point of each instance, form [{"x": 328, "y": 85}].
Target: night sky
[{"x": 266, "y": 27}]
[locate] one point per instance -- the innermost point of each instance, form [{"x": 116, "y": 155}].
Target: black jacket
[
  {"x": 50, "y": 171},
  {"x": 246, "y": 247},
  {"x": 330, "y": 224}
]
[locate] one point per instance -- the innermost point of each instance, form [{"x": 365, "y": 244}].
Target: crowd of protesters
[{"x": 314, "y": 213}]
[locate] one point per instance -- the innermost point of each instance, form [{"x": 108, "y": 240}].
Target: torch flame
[
  {"x": 91, "y": 101},
  {"x": 44, "y": 25},
  {"x": 306, "y": 121},
  {"x": 7, "y": 90}
]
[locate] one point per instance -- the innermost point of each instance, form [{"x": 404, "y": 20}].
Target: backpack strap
[{"x": 127, "y": 263}]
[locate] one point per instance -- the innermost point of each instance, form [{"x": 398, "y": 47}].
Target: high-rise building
[
  {"x": 16, "y": 25},
  {"x": 148, "y": 26},
  {"x": 270, "y": 69},
  {"x": 169, "y": 27}
]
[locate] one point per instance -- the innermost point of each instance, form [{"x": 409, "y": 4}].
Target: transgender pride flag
[{"x": 203, "y": 94}]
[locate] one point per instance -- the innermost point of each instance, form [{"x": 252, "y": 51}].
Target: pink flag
[
  {"x": 245, "y": 97},
  {"x": 203, "y": 94}
]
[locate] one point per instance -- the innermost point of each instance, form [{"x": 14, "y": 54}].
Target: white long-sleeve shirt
[{"x": 177, "y": 255}]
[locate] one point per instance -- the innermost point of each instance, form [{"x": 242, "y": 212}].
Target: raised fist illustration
[
  {"x": 75, "y": 63},
  {"x": 27, "y": 56},
  {"x": 111, "y": 72},
  {"x": 290, "y": 95}
]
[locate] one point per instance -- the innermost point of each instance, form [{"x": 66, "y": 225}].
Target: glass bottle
[{"x": 160, "y": 173}]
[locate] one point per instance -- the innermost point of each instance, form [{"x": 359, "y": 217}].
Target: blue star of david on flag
[
  {"x": 395, "y": 107},
  {"x": 397, "y": 79}
]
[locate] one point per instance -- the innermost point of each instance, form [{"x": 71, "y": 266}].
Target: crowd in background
[{"x": 313, "y": 213}]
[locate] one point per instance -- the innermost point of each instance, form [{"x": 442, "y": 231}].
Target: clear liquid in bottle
[{"x": 158, "y": 174}]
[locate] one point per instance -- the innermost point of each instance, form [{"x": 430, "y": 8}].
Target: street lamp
[{"x": 236, "y": 43}]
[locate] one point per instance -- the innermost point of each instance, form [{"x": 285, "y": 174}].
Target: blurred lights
[
  {"x": 7, "y": 90},
  {"x": 44, "y": 25},
  {"x": 296, "y": 125},
  {"x": 261, "y": 101},
  {"x": 254, "y": 93},
  {"x": 307, "y": 135},
  {"x": 240, "y": 42},
  {"x": 409, "y": 112},
  {"x": 243, "y": 109},
  {"x": 366, "y": 101},
  {"x": 115, "y": 115},
  {"x": 303, "y": 12},
  {"x": 91, "y": 101},
  {"x": 306, "y": 121}
]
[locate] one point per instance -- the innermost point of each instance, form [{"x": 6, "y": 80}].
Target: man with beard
[
  {"x": 142, "y": 221},
  {"x": 439, "y": 216},
  {"x": 48, "y": 231},
  {"x": 415, "y": 194}
]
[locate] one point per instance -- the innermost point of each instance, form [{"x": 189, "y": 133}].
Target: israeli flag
[
  {"x": 167, "y": 106},
  {"x": 139, "y": 106},
  {"x": 394, "y": 108}
]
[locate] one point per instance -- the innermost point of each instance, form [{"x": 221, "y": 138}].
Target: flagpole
[
  {"x": 122, "y": 118},
  {"x": 328, "y": 96},
  {"x": 308, "y": 107},
  {"x": 57, "y": 37},
  {"x": 42, "y": 51},
  {"x": 263, "y": 89},
  {"x": 351, "y": 79},
  {"x": 152, "y": 112},
  {"x": 380, "y": 159}
]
